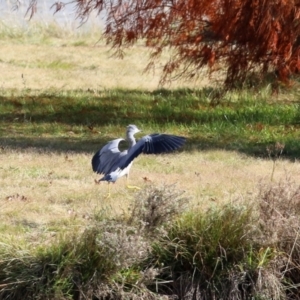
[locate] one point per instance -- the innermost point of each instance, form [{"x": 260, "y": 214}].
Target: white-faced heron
[{"x": 113, "y": 164}]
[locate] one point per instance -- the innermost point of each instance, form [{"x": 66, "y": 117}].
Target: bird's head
[{"x": 132, "y": 129}]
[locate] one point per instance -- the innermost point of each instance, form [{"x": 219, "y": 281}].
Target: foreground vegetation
[
  {"x": 164, "y": 251},
  {"x": 228, "y": 228}
]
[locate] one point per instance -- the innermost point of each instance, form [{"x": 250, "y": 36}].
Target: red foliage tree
[{"x": 240, "y": 36}]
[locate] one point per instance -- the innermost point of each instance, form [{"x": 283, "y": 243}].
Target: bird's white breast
[{"x": 125, "y": 171}]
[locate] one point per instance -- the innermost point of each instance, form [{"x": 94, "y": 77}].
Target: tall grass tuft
[
  {"x": 57, "y": 271},
  {"x": 155, "y": 206},
  {"x": 279, "y": 215},
  {"x": 203, "y": 252}
]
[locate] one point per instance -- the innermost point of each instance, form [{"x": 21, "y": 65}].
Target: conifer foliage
[{"x": 238, "y": 36}]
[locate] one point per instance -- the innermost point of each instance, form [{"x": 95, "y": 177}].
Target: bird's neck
[{"x": 131, "y": 140}]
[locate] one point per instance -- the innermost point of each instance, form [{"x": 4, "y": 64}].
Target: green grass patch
[
  {"x": 244, "y": 121},
  {"x": 53, "y": 65}
]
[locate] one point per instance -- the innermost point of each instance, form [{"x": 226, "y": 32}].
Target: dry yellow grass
[
  {"x": 76, "y": 67},
  {"x": 45, "y": 193}
]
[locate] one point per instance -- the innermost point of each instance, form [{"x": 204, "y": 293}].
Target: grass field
[{"x": 63, "y": 97}]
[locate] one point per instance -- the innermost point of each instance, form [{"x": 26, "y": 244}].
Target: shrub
[
  {"x": 203, "y": 252},
  {"x": 155, "y": 206},
  {"x": 279, "y": 216}
]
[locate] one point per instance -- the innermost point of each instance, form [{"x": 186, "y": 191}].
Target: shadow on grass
[
  {"x": 291, "y": 149},
  {"x": 65, "y": 145},
  {"x": 120, "y": 107},
  {"x": 53, "y": 144},
  {"x": 249, "y": 125}
]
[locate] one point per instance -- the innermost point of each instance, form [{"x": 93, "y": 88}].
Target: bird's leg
[
  {"x": 108, "y": 192},
  {"x": 131, "y": 186}
]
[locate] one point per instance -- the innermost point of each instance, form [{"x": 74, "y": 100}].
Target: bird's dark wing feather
[
  {"x": 152, "y": 144},
  {"x": 104, "y": 159}
]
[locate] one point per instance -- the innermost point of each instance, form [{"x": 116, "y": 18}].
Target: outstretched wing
[
  {"x": 152, "y": 144},
  {"x": 104, "y": 160}
]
